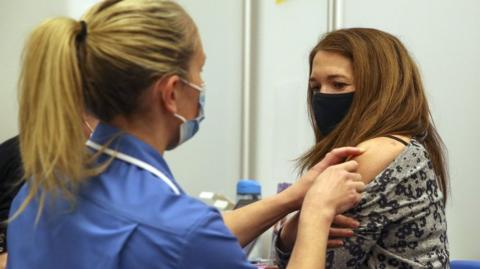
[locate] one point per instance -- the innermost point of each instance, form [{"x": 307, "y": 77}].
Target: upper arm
[
  {"x": 212, "y": 245},
  {"x": 379, "y": 153}
]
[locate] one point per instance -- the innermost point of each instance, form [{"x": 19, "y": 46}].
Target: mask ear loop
[
  {"x": 183, "y": 119},
  {"x": 89, "y": 127},
  {"x": 201, "y": 89}
]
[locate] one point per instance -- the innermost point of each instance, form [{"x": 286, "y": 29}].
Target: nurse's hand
[
  {"x": 342, "y": 227},
  {"x": 338, "y": 155},
  {"x": 250, "y": 221},
  {"x": 334, "y": 191}
]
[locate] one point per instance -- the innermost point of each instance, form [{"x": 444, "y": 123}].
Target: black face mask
[{"x": 330, "y": 109}]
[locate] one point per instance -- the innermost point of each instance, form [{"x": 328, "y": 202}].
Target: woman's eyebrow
[
  {"x": 337, "y": 76},
  {"x": 329, "y": 77}
]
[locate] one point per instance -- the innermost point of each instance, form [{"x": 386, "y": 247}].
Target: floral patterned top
[{"x": 402, "y": 219}]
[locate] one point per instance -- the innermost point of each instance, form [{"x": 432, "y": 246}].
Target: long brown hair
[
  {"x": 389, "y": 97},
  {"x": 101, "y": 65}
]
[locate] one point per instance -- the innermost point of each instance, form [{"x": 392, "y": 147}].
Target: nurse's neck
[{"x": 155, "y": 133}]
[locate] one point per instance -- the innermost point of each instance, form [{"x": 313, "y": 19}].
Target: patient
[{"x": 366, "y": 90}]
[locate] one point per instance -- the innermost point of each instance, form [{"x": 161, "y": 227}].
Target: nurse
[{"x": 114, "y": 203}]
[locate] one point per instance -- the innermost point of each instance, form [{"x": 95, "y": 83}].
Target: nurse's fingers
[
  {"x": 345, "y": 222},
  {"x": 336, "y": 233},
  {"x": 358, "y": 185},
  {"x": 355, "y": 176},
  {"x": 334, "y": 243},
  {"x": 336, "y": 156},
  {"x": 349, "y": 166}
]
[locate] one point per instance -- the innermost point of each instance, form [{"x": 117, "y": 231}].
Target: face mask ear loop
[
  {"x": 180, "y": 117},
  {"x": 196, "y": 87},
  {"x": 88, "y": 126}
]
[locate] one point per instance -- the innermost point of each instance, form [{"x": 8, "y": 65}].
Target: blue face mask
[{"x": 190, "y": 127}]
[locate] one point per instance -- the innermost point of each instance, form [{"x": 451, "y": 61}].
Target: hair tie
[{"x": 83, "y": 31}]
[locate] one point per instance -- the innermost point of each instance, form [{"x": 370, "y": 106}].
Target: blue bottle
[{"x": 248, "y": 191}]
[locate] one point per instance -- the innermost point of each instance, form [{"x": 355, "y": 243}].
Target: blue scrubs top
[{"x": 123, "y": 218}]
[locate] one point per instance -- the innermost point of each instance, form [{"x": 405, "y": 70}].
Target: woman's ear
[{"x": 164, "y": 91}]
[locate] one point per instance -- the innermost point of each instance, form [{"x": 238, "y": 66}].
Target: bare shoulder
[{"x": 379, "y": 153}]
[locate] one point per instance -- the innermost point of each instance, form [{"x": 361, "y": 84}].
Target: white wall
[
  {"x": 211, "y": 160},
  {"x": 17, "y": 19},
  {"x": 76, "y": 8},
  {"x": 444, "y": 38},
  {"x": 284, "y": 36}
]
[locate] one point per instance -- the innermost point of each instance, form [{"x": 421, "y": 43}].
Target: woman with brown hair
[{"x": 365, "y": 89}]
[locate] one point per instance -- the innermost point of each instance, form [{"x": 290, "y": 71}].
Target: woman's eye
[{"x": 339, "y": 85}]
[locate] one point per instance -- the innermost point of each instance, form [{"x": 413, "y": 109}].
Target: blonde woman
[
  {"x": 365, "y": 89},
  {"x": 114, "y": 203}
]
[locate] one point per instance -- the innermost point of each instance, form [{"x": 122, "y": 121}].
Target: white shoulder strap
[{"x": 136, "y": 162}]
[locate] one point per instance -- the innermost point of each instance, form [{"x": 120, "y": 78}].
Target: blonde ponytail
[
  {"x": 67, "y": 70},
  {"x": 50, "y": 112}
]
